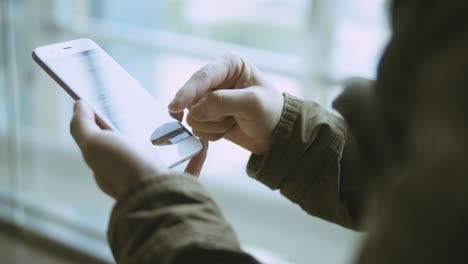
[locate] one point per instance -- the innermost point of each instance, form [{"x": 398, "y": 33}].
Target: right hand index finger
[{"x": 212, "y": 76}]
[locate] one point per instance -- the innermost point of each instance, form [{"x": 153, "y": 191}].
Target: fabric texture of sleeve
[
  {"x": 303, "y": 161},
  {"x": 171, "y": 219}
]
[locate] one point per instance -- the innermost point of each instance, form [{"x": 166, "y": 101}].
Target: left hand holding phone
[{"x": 116, "y": 162}]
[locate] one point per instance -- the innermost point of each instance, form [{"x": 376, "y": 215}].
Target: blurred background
[{"x": 306, "y": 47}]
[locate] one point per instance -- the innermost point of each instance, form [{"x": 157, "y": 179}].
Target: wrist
[{"x": 275, "y": 120}]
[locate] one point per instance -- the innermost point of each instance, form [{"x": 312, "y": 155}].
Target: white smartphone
[{"x": 88, "y": 73}]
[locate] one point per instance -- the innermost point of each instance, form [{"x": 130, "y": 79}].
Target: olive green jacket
[{"x": 395, "y": 163}]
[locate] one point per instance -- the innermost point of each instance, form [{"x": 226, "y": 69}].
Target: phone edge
[
  {"x": 69, "y": 91},
  {"x": 101, "y": 123}
]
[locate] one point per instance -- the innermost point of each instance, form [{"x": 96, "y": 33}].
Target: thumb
[
  {"x": 83, "y": 122},
  {"x": 221, "y": 103}
]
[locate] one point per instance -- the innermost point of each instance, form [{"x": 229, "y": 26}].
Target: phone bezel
[
  {"x": 43, "y": 53},
  {"x": 191, "y": 145}
]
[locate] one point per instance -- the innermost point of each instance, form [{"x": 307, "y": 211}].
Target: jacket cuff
[
  {"x": 147, "y": 188},
  {"x": 265, "y": 168},
  {"x": 140, "y": 215}
]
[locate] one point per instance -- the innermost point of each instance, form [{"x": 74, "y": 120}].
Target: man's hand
[
  {"x": 230, "y": 98},
  {"x": 118, "y": 163}
]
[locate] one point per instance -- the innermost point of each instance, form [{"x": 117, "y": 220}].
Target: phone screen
[{"x": 116, "y": 97}]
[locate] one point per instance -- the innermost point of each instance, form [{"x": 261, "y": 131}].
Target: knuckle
[
  {"x": 217, "y": 96},
  {"x": 233, "y": 61},
  {"x": 86, "y": 147},
  {"x": 231, "y": 57},
  {"x": 199, "y": 113},
  {"x": 252, "y": 96},
  {"x": 254, "y": 101},
  {"x": 202, "y": 74},
  {"x": 191, "y": 122},
  {"x": 89, "y": 147},
  {"x": 239, "y": 65}
]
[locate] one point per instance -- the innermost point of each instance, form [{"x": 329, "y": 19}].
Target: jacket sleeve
[
  {"x": 171, "y": 219},
  {"x": 306, "y": 160}
]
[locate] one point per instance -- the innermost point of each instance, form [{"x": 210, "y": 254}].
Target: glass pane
[{"x": 38, "y": 160}]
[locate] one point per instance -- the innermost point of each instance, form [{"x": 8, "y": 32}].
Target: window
[
  {"x": 162, "y": 43},
  {"x": 361, "y": 32}
]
